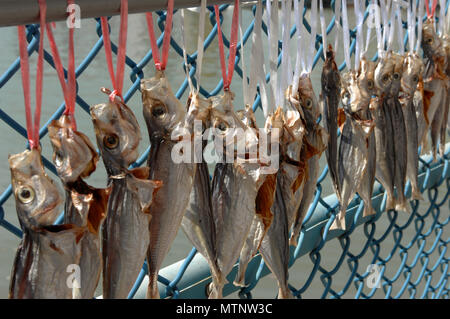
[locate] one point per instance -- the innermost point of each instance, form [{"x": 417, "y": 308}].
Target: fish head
[
  {"x": 163, "y": 112},
  {"x": 431, "y": 43},
  {"x": 74, "y": 155},
  {"x": 412, "y": 70},
  {"x": 118, "y": 134},
  {"x": 330, "y": 73},
  {"x": 354, "y": 98},
  {"x": 308, "y": 102},
  {"x": 36, "y": 195},
  {"x": 225, "y": 123},
  {"x": 397, "y": 73},
  {"x": 383, "y": 75},
  {"x": 366, "y": 77}
]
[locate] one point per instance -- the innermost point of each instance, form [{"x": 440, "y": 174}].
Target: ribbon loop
[
  {"x": 227, "y": 76},
  {"x": 161, "y": 64},
  {"x": 33, "y": 126},
  {"x": 116, "y": 78}
]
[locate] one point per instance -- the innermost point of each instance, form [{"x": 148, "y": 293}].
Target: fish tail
[
  {"x": 368, "y": 209},
  {"x": 152, "y": 290},
  {"x": 285, "y": 293},
  {"x": 415, "y": 193},
  {"x": 339, "y": 222},
  {"x": 293, "y": 239},
  {"x": 240, "y": 276},
  {"x": 402, "y": 205},
  {"x": 390, "y": 202},
  {"x": 215, "y": 290}
]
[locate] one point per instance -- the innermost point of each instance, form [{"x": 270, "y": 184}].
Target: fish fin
[
  {"x": 402, "y": 206},
  {"x": 265, "y": 199},
  {"x": 97, "y": 211},
  {"x": 416, "y": 194},
  {"x": 341, "y": 118},
  {"x": 339, "y": 222},
  {"x": 427, "y": 95},
  {"x": 145, "y": 189}
]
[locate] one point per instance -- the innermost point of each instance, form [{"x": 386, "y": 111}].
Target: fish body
[
  {"x": 314, "y": 142},
  {"x": 45, "y": 251},
  {"x": 126, "y": 228},
  {"x": 435, "y": 81},
  {"x": 399, "y": 129},
  {"x": 353, "y": 149},
  {"x": 385, "y": 150},
  {"x": 330, "y": 95},
  {"x": 75, "y": 157},
  {"x": 235, "y": 187},
  {"x": 166, "y": 120},
  {"x": 366, "y": 84},
  {"x": 412, "y": 70}
]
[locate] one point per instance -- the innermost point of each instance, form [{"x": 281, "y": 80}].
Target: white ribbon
[
  {"x": 283, "y": 81},
  {"x": 201, "y": 37},
  {"x": 442, "y": 29},
  {"x": 384, "y": 15},
  {"x": 419, "y": 24},
  {"x": 359, "y": 34},
  {"x": 345, "y": 30},
  {"x": 391, "y": 29},
  {"x": 299, "y": 63},
  {"x": 312, "y": 39},
  {"x": 401, "y": 45},
  {"x": 258, "y": 55},
  {"x": 323, "y": 28},
  {"x": 337, "y": 21},
  {"x": 411, "y": 20},
  {"x": 183, "y": 36},
  {"x": 272, "y": 34}
]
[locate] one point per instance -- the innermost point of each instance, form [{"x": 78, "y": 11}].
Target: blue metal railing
[{"x": 189, "y": 277}]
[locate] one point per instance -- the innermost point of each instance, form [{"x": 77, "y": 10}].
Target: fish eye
[
  {"x": 158, "y": 111},
  {"x": 396, "y": 76},
  {"x": 415, "y": 78},
  {"x": 308, "y": 103},
  {"x": 347, "y": 95},
  {"x": 111, "y": 141},
  {"x": 385, "y": 78},
  {"x": 430, "y": 40},
  {"x": 25, "y": 194},
  {"x": 58, "y": 159},
  {"x": 221, "y": 126},
  {"x": 370, "y": 84}
]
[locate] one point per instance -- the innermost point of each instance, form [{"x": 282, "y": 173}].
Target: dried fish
[
  {"x": 314, "y": 143},
  {"x": 412, "y": 70},
  {"x": 75, "y": 158},
  {"x": 45, "y": 251},
  {"x": 167, "y": 123},
  {"x": 435, "y": 80},
  {"x": 126, "y": 228},
  {"x": 330, "y": 95}
]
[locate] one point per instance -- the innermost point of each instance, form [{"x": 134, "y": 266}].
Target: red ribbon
[
  {"x": 161, "y": 65},
  {"x": 433, "y": 8},
  {"x": 227, "y": 77},
  {"x": 69, "y": 88},
  {"x": 117, "y": 79},
  {"x": 33, "y": 130}
]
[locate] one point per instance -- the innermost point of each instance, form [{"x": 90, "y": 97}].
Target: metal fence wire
[{"x": 417, "y": 240}]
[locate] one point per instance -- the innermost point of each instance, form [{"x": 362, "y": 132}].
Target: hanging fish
[
  {"x": 263, "y": 213},
  {"x": 165, "y": 116},
  {"x": 85, "y": 206},
  {"x": 45, "y": 251},
  {"x": 435, "y": 80},
  {"x": 235, "y": 188},
  {"x": 366, "y": 85},
  {"x": 331, "y": 97},
  {"x": 288, "y": 195},
  {"x": 353, "y": 148},
  {"x": 412, "y": 70},
  {"x": 314, "y": 143},
  {"x": 126, "y": 228},
  {"x": 385, "y": 153},
  {"x": 198, "y": 220},
  {"x": 399, "y": 130}
]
